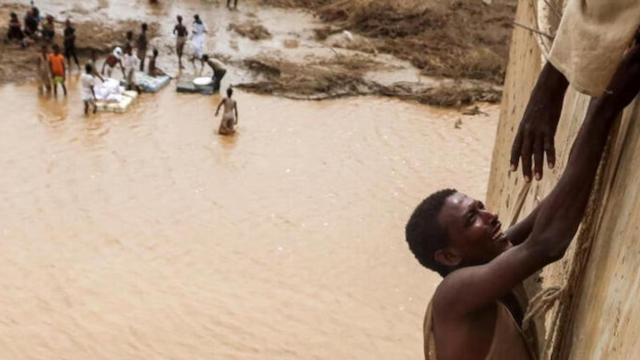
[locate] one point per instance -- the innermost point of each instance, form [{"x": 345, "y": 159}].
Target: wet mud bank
[
  {"x": 436, "y": 54},
  {"x": 451, "y": 38},
  {"x": 348, "y": 76}
]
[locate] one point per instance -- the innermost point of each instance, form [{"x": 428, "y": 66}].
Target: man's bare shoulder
[{"x": 451, "y": 289}]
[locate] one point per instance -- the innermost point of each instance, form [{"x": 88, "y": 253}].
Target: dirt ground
[
  {"x": 345, "y": 75},
  {"x": 451, "y": 38},
  {"x": 251, "y": 30}
]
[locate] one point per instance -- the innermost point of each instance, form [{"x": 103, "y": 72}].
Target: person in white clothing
[
  {"x": 88, "y": 94},
  {"x": 198, "y": 39},
  {"x": 130, "y": 63}
]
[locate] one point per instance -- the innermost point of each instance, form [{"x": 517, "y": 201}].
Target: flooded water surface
[{"x": 147, "y": 236}]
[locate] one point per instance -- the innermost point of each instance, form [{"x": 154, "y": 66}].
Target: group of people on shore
[{"x": 54, "y": 63}]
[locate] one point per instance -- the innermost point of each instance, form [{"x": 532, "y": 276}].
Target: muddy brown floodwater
[{"x": 146, "y": 236}]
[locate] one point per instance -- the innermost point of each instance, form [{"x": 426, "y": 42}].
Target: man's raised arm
[{"x": 560, "y": 213}]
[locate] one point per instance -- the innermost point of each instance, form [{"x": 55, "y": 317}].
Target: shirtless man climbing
[{"x": 472, "y": 314}]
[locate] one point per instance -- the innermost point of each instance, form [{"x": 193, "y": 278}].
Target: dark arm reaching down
[{"x": 554, "y": 223}]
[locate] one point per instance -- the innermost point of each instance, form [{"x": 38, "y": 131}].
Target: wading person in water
[
  {"x": 472, "y": 314},
  {"x": 43, "y": 72},
  {"x": 181, "y": 32},
  {"x": 88, "y": 94},
  {"x": 56, "y": 65},
  {"x": 229, "y": 114}
]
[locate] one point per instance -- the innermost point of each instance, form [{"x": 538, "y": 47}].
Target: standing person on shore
[
  {"x": 229, "y": 115},
  {"x": 49, "y": 29},
  {"x": 36, "y": 14},
  {"x": 31, "y": 24},
  {"x": 56, "y": 65},
  {"x": 88, "y": 93},
  {"x": 128, "y": 40},
  {"x": 15, "y": 30},
  {"x": 181, "y": 33},
  {"x": 43, "y": 73},
  {"x": 141, "y": 45},
  {"x": 70, "y": 44},
  {"x": 198, "y": 38}
]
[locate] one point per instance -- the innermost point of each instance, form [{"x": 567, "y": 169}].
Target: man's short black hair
[{"x": 424, "y": 233}]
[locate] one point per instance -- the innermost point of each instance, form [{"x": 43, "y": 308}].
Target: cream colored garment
[
  {"x": 508, "y": 340},
  {"x": 591, "y": 39}
]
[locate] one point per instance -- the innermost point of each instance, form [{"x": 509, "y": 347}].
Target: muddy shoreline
[
  {"x": 348, "y": 53},
  {"x": 451, "y": 38},
  {"x": 343, "y": 76}
]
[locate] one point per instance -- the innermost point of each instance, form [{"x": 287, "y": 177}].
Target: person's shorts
[
  {"x": 180, "y": 41},
  {"x": 58, "y": 79},
  {"x": 69, "y": 50},
  {"x": 141, "y": 53},
  {"x": 89, "y": 100}
]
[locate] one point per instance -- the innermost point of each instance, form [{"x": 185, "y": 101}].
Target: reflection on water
[{"x": 146, "y": 236}]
